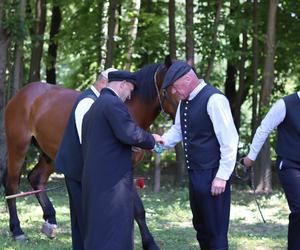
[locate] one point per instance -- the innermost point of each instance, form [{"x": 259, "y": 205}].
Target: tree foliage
[{"x": 227, "y": 42}]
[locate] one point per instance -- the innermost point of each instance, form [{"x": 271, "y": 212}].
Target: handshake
[
  {"x": 159, "y": 144},
  {"x": 158, "y": 148}
]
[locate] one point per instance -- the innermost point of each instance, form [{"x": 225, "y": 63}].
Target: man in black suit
[
  {"x": 69, "y": 156},
  {"x": 107, "y": 137}
]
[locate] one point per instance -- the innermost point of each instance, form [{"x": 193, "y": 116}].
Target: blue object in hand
[{"x": 158, "y": 148}]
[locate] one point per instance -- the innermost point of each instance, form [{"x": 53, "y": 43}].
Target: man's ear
[{"x": 122, "y": 84}]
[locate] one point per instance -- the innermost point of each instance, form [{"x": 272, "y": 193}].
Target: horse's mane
[{"x": 146, "y": 82}]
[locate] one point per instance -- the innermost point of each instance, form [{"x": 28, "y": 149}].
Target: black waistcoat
[
  {"x": 288, "y": 141},
  {"x": 69, "y": 159},
  {"x": 201, "y": 147}
]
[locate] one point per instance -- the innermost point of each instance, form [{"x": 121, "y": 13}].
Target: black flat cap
[
  {"x": 177, "y": 70},
  {"x": 121, "y": 75}
]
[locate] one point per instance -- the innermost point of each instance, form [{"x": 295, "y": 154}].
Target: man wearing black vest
[
  {"x": 285, "y": 115},
  {"x": 69, "y": 156},
  {"x": 107, "y": 183},
  {"x": 204, "y": 124}
]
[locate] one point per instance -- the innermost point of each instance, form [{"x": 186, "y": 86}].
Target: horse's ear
[
  {"x": 190, "y": 62},
  {"x": 168, "y": 61}
]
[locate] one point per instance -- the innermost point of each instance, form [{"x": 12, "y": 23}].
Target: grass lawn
[{"x": 168, "y": 216}]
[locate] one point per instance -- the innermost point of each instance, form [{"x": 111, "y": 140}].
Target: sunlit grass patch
[{"x": 169, "y": 218}]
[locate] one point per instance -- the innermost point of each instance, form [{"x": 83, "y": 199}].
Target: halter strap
[
  {"x": 168, "y": 98},
  {"x": 165, "y": 95},
  {"x": 158, "y": 93}
]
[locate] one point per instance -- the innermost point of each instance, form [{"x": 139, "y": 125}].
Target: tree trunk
[
  {"x": 180, "y": 166},
  {"x": 37, "y": 38},
  {"x": 189, "y": 42},
  {"x": 230, "y": 81},
  {"x": 240, "y": 93},
  {"x": 147, "y": 7},
  {"x": 133, "y": 33},
  {"x": 265, "y": 184},
  {"x": 4, "y": 46},
  {"x": 18, "y": 64},
  {"x": 172, "y": 29},
  {"x": 263, "y": 172},
  {"x": 157, "y": 174},
  {"x": 100, "y": 35},
  {"x": 231, "y": 71},
  {"x": 270, "y": 53},
  {"x": 53, "y": 44},
  {"x": 255, "y": 67},
  {"x": 254, "y": 120},
  {"x": 113, "y": 5},
  {"x": 214, "y": 40}
]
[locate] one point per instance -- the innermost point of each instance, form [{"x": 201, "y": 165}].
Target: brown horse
[{"x": 39, "y": 113}]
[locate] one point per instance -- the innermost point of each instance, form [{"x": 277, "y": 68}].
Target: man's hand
[
  {"x": 158, "y": 138},
  {"x": 247, "y": 162},
  {"x": 218, "y": 186}
]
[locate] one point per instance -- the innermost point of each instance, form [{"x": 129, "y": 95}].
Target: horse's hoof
[
  {"x": 49, "y": 229},
  {"x": 20, "y": 238}
]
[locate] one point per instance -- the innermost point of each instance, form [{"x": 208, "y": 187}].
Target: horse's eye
[{"x": 164, "y": 92}]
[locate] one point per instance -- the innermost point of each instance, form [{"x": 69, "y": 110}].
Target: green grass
[{"x": 168, "y": 216}]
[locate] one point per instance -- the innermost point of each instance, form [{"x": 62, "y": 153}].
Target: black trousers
[
  {"x": 210, "y": 213},
  {"x": 74, "y": 191},
  {"x": 289, "y": 175}
]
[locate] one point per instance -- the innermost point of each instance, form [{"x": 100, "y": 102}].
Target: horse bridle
[{"x": 165, "y": 95}]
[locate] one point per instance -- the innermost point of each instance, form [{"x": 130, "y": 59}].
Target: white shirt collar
[
  {"x": 96, "y": 92},
  {"x": 196, "y": 90},
  {"x": 298, "y": 93}
]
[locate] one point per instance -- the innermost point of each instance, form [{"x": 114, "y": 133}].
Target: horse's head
[
  {"x": 149, "y": 92},
  {"x": 167, "y": 101},
  {"x": 149, "y": 98}
]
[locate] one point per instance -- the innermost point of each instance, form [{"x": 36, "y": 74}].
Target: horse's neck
[{"x": 144, "y": 113}]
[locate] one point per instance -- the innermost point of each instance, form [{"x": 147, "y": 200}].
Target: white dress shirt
[
  {"x": 219, "y": 112},
  {"x": 83, "y": 106},
  {"x": 273, "y": 118}
]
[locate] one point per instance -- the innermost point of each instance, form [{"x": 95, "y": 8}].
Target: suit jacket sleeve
[{"x": 125, "y": 129}]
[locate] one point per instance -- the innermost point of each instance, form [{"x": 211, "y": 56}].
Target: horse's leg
[
  {"x": 139, "y": 216},
  {"x": 17, "y": 147},
  {"x": 38, "y": 178}
]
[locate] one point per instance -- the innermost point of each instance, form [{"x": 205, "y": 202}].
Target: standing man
[
  {"x": 69, "y": 156},
  {"x": 285, "y": 115},
  {"x": 107, "y": 137},
  {"x": 204, "y": 124}
]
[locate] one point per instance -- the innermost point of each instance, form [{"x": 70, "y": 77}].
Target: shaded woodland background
[{"x": 249, "y": 49}]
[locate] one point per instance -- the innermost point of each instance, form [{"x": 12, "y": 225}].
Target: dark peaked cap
[
  {"x": 121, "y": 75},
  {"x": 177, "y": 70}
]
